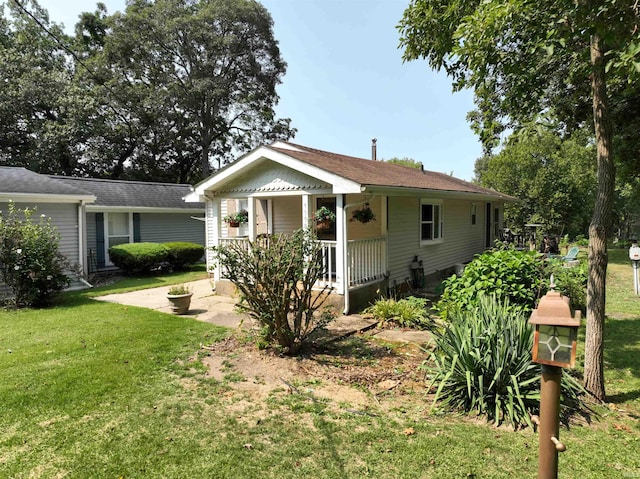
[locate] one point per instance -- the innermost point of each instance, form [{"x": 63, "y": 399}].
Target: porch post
[
  {"x": 213, "y": 233},
  {"x": 251, "y": 210},
  {"x": 341, "y": 247},
  {"x": 306, "y": 212}
]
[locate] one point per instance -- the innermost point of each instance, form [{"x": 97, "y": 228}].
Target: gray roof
[
  {"x": 132, "y": 194},
  {"x": 20, "y": 180}
]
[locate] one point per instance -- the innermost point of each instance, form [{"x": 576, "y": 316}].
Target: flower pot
[
  {"x": 323, "y": 225},
  {"x": 180, "y": 302},
  {"x": 234, "y": 224}
]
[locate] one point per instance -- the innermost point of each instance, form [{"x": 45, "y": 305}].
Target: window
[
  {"x": 474, "y": 214},
  {"x": 118, "y": 231},
  {"x": 431, "y": 221}
]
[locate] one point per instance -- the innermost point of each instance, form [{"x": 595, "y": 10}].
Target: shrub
[
  {"x": 275, "y": 277},
  {"x": 181, "y": 254},
  {"x": 410, "y": 312},
  {"x": 32, "y": 266},
  {"x": 138, "y": 257},
  {"x": 506, "y": 273},
  {"x": 571, "y": 282},
  {"x": 179, "y": 289},
  {"x": 482, "y": 363}
]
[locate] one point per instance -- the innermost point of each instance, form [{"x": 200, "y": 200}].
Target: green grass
[
  {"x": 99, "y": 390},
  {"x": 136, "y": 283}
]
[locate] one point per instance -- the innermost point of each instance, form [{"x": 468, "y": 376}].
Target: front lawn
[{"x": 100, "y": 390}]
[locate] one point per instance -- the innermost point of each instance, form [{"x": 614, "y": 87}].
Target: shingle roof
[
  {"x": 20, "y": 180},
  {"x": 381, "y": 173},
  {"x": 133, "y": 194}
]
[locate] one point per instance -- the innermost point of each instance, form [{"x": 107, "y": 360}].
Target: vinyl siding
[
  {"x": 461, "y": 242},
  {"x": 357, "y": 230},
  {"x": 287, "y": 214},
  {"x": 165, "y": 227}
]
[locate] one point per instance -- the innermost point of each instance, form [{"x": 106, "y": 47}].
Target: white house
[{"x": 435, "y": 217}]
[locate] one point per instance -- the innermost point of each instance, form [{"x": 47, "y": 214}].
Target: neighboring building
[
  {"x": 441, "y": 220},
  {"x": 93, "y": 214}
]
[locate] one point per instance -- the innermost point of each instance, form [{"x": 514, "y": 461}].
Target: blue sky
[{"x": 346, "y": 83}]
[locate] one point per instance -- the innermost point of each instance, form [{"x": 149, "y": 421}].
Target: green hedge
[
  {"x": 138, "y": 257},
  {"x": 182, "y": 254}
]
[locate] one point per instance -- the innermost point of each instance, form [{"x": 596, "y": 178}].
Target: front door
[{"x": 327, "y": 234}]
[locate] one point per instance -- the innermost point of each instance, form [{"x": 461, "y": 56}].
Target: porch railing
[{"x": 367, "y": 260}]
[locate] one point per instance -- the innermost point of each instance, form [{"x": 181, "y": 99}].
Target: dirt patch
[{"x": 356, "y": 373}]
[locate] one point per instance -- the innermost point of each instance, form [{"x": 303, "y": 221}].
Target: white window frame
[
  {"x": 107, "y": 236},
  {"x": 436, "y": 204}
]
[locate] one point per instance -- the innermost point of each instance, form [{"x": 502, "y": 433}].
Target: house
[
  {"x": 422, "y": 218},
  {"x": 93, "y": 214}
]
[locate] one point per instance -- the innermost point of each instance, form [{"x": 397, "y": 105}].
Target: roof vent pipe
[{"x": 374, "y": 155}]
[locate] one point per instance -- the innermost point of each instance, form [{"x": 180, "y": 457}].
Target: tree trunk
[{"x": 598, "y": 229}]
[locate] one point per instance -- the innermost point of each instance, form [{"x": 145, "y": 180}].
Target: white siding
[
  {"x": 166, "y": 227},
  {"x": 461, "y": 242},
  {"x": 270, "y": 176},
  {"x": 358, "y": 230},
  {"x": 287, "y": 214}
]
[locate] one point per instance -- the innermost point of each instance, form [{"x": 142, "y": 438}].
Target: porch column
[
  {"x": 341, "y": 247},
  {"x": 306, "y": 212},
  {"x": 251, "y": 210},
  {"x": 213, "y": 233}
]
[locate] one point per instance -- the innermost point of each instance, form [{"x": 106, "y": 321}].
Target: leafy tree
[
  {"x": 524, "y": 59},
  {"x": 550, "y": 176},
  {"x": 200, "y": 75},
  {"x": 406, "y": 162}
]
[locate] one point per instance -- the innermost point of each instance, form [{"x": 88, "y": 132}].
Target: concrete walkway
[{"x": 209, "y": 307}]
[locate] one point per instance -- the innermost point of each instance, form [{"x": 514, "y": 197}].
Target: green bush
[
  {"x": 138, "y": 257},
  {"x": 482, "y": 363},
  {"x": 276, "y": 276},
  {"x": 182, "y": 254},
  {"x": 32, "y": 266},
  {"x": 410, "y": 312},
  {"x": 507, "y": 273},
  {"x": 571, "y": 282}
]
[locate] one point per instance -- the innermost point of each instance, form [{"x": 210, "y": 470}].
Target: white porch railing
[{"x": 367, "y": 260}]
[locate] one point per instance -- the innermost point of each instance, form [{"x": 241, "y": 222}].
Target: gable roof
[
  {"x": 18, "y": 182},
  {"x": 132, "y": 194},
  {"x": 349, "y": 174},
  {"x": 381, "y": 173}
]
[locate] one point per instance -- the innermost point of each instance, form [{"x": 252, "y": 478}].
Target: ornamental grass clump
[
  {"x": 482, "y": 364},
  {"x": 408, "y": 312}
]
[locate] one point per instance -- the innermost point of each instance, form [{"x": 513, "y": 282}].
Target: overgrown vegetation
[
  {"x": 30, "y": 260},
  {"x": 275, "y": 277},
  {"x": 138, "y": 257},
  {"x": 522, "y": 277},
  {"x": 410, "y": 312},
  {"x": 482, "y": 364}
]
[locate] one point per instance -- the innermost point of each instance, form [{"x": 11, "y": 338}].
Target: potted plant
[
  {"x": 180, "y": 298},
  {"x": 363, "y": 214},
  {"x": 236, "y": 219},
  {"x": 323, "y": 218}
]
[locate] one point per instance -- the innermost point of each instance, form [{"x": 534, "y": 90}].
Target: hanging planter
[
  {"x": 236, "y": 219},
  {"x": 363, "y": 214},
  {"x": 324, "y": 218}
]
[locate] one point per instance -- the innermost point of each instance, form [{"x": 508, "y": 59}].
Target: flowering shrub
[{"x": 30, "y": 262}]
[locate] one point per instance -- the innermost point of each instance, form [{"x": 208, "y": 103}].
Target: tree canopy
[
  {"x": 166, "y": 90},
  {"x": 527, "y": 61}
]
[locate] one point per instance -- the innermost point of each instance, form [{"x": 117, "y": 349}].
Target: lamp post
[
  {"x": 554, "y": 347},
  {"x": 634, "y": 256}
]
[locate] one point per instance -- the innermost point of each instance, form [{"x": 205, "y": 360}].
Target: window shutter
[
  {"x": 136, "y": 227},
  {"x": 100, "y": 240}
]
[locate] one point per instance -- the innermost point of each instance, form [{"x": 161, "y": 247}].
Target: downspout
[{"x": 345, "y": 267}]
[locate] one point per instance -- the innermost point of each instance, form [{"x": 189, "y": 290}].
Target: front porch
[{"x": 354, "y": 254}]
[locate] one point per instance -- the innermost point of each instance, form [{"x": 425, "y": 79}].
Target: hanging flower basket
[
  {"x": 363, "y": 214},
  {"x": 236, "y": 219},
  {"x": 324, "y": 218}
]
